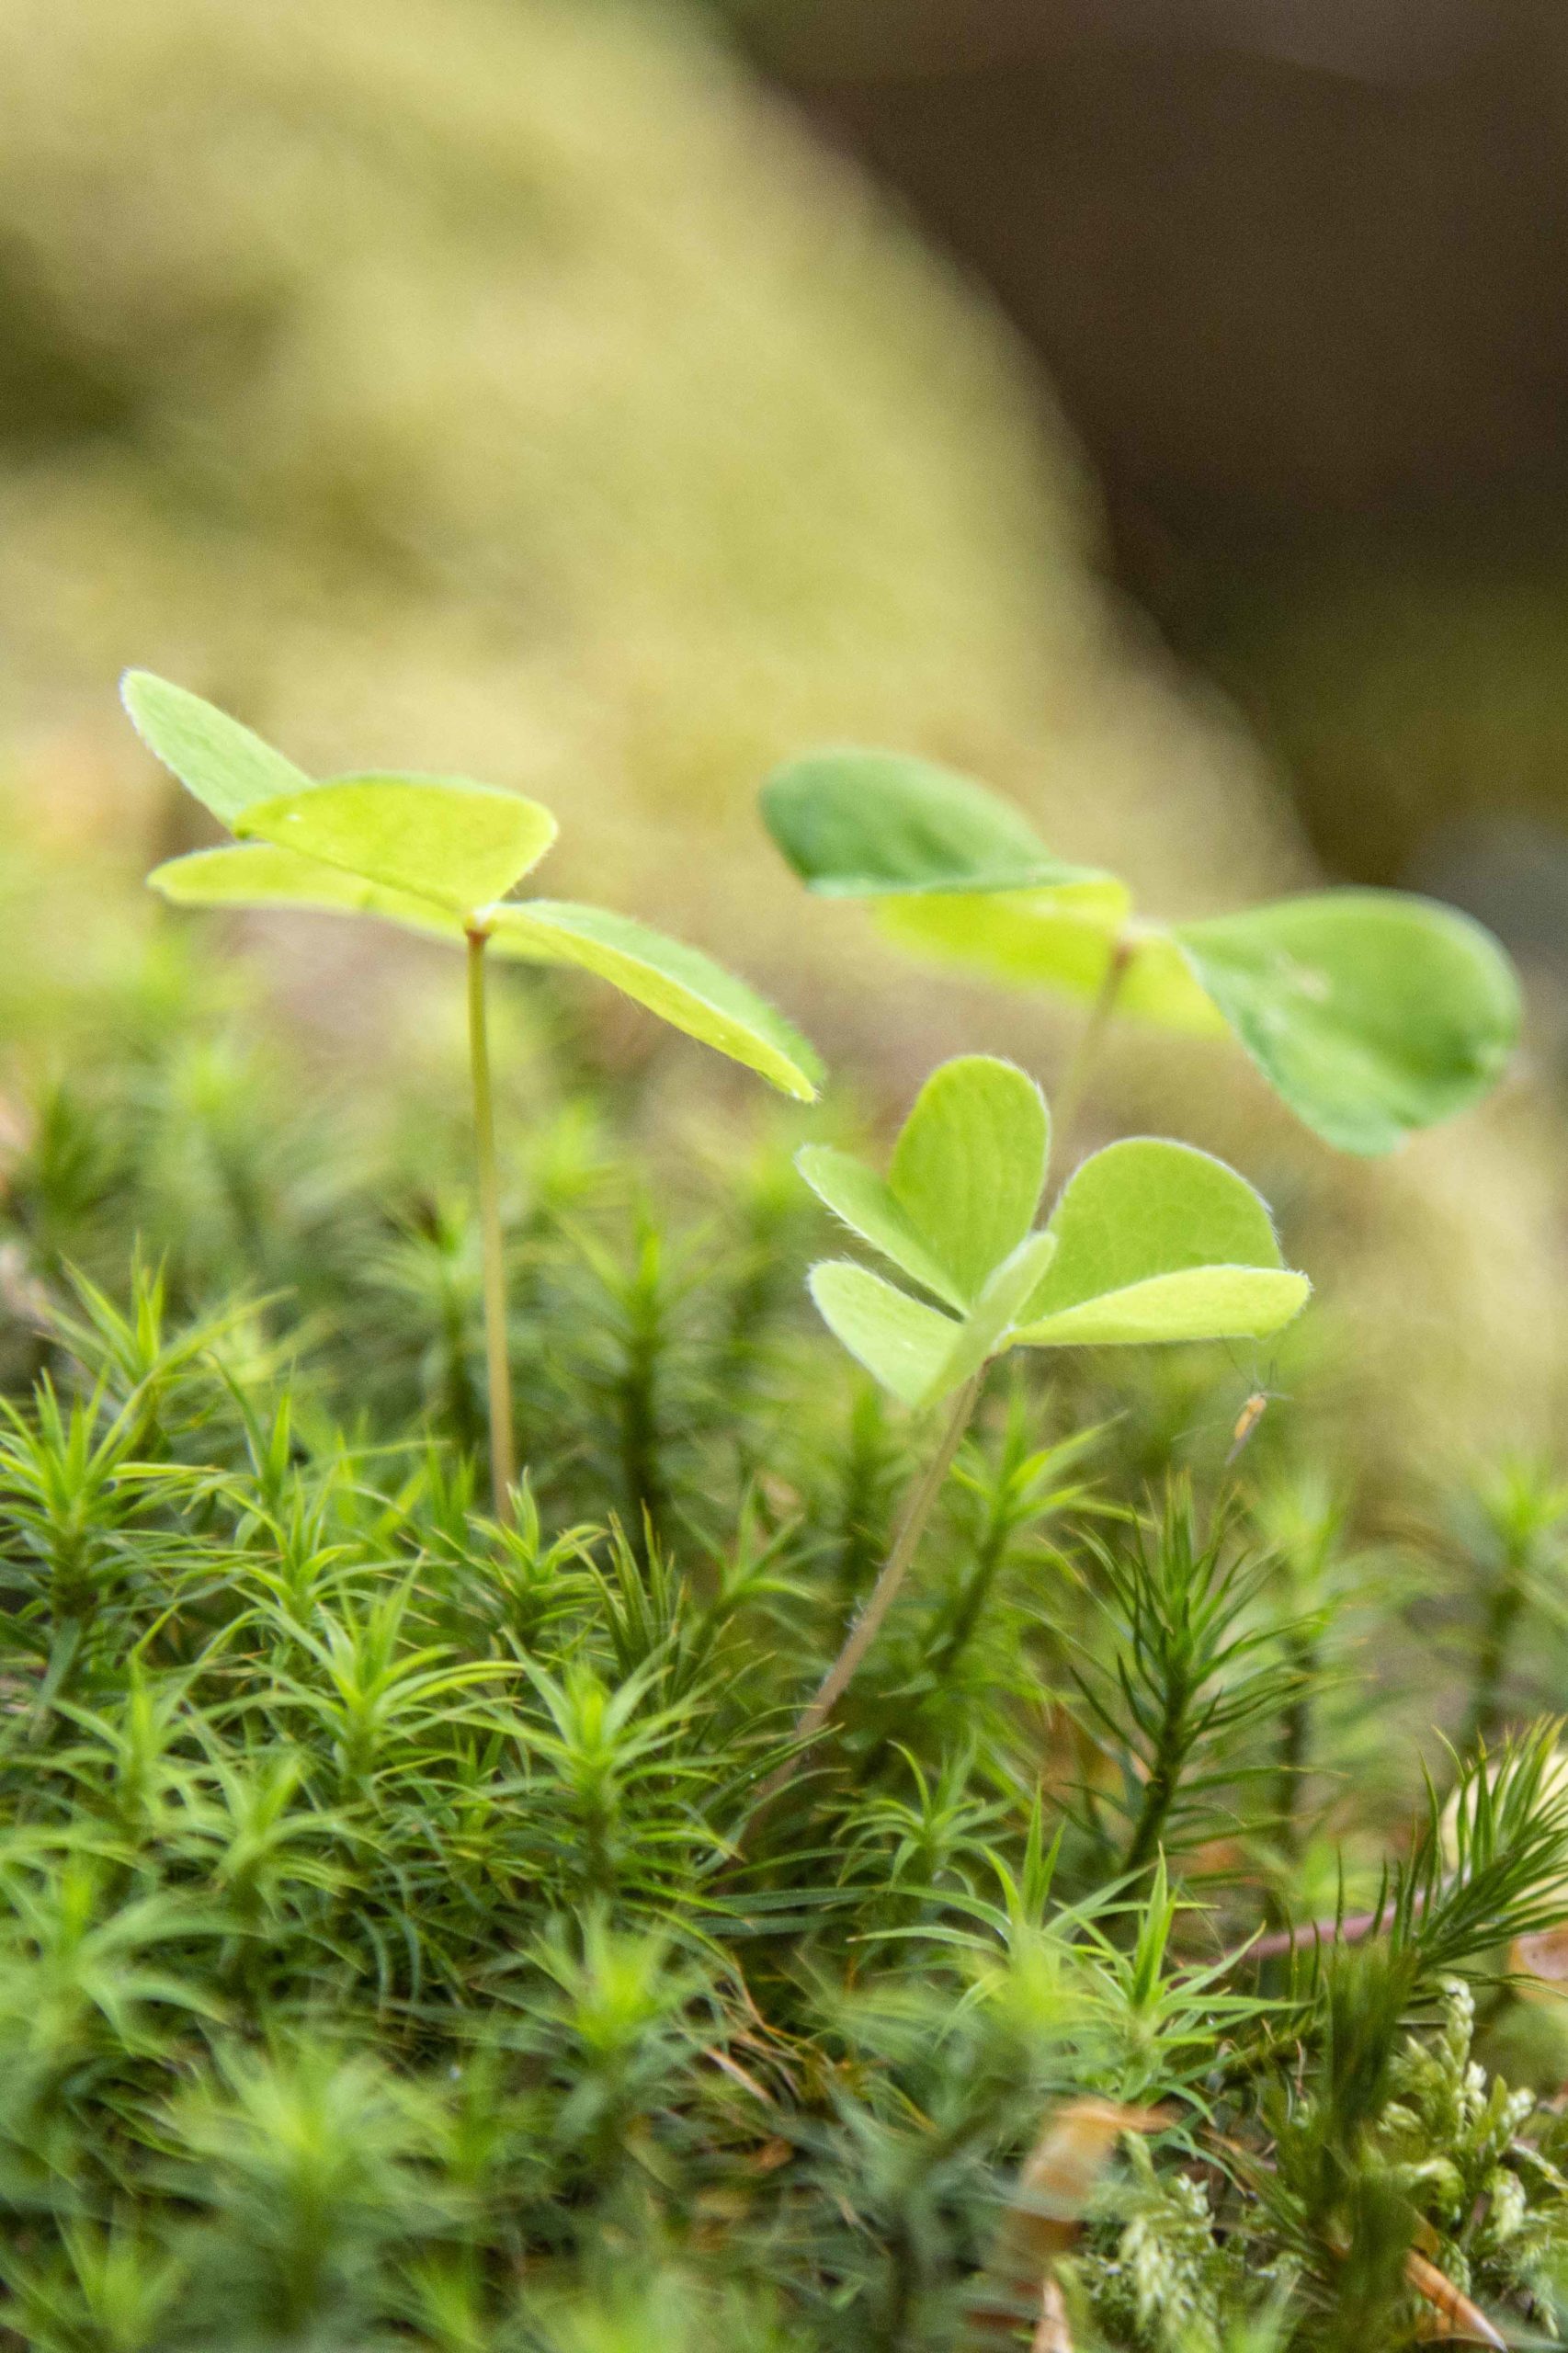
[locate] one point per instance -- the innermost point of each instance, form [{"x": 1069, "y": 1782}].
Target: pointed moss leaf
[
  {"x": 970, "y": 1165},
  {"x": 989, "y": 1324},
  {"x": 1370, "y": 1012},
  {"x": 441, "y": 838},
  {"x": 225, "y": 765},
  {"x": 854, "y": 824},
  {"x": 1062, "y": 941},
  {"x": 263, "y": 877},
  {"x": 1160, "y": 1241},
  {"x": 679, "y": 984},
  {"x": 901, "y": 1342},
  {"x": 867, "y": 1206}
]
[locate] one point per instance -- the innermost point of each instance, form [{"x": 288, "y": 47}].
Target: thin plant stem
[
  {"x": 1082, "y": 1062},
  {"x": 901, "y": 1552},
  {"x": 502, "y": 1456}
]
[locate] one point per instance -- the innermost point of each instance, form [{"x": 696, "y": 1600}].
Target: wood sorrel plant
[
  {"x": 1370, "y": 1013},
  {"x": 437, "y": 854},
  {"x": 1150, "y": 1241}
]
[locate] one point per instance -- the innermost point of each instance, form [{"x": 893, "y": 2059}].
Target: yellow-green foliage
[{"x": 514, "y": 389}]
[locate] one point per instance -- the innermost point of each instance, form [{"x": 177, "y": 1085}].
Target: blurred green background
[{"x": 1155, "y": 406}]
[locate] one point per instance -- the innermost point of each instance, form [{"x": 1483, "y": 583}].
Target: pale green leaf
[
  {"x": 855, "y": 823},
  {"x": 441, "y": 838},
  {"x": 225, "y": 765},
  {"x": 853, "y": 1192},
  {"x": 1371, "y": 1012},
  {"x": 902, "y": 1343},
  {"x": 970, "y": 1165},
  {"x": 1200, "y": 1304},
  {"x": 1158, "y": 1241},
  {"x": 987, "y": 1327},
  {"x": 679, "y": 984},
  {"x": 263, "y": 877},
  {"x": 1059, "y": 940}
]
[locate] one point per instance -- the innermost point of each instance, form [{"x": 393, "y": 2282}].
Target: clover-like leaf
[
  {"x": 901, "y": 1341},
  {"x": 965, "y": 1182},
  {"x": 1370, "y": 1012},
  {"x": 990, "y": 1323},
  {"x": 679, "y": 984},
  {"x": 226, "y": 767},
  {"x": 854, "y": 824},
  {"x": 1158, "y": 1242},
  {"x": 915, "y": 1351},
  {"x": 260, "y": 876},
  {"x": 970, "y": 1163},
  {"x": 869, "y": 1206},
  {"x": 1063, "y": 940},
  {"x": 441, "y": 838}
]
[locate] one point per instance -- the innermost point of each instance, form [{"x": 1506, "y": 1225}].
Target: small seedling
[
  {"x": 1370, "y": 1013},
  {"x": 1150, "y": 1241},
  {"x": 437, "y": 854}
]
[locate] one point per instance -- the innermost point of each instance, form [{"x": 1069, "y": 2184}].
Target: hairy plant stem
[
  {"x": 502, "y": 1458},
  {"x": 901, "y": 1552},
  {"x": 1086, "y": 1054}
]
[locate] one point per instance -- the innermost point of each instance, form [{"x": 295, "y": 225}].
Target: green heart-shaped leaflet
[
  {"x": 855, "y": 824},
  {"x": 1150, "y": 1241},
  {"x": 436, "y": 855},
  {"x": 1372, "y": 1013}
]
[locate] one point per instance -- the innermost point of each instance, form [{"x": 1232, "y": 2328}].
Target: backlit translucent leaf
[
  {"x": 225, "y": 765},
  {"x": 679, "y": 984},
  {"x": 991, "y": 1319},
  {"x": 853, "y": 1192},
  {"x": 970, "y": 1165},
  {"x": 441, "y": 838},
  {"x": 1061, "y": 941},
  {"x": 263, "y": 877},
  {"x": 854, "y": 824},
  {"x": 1159, "y": 1242},
  {"x": 1201, "y": 1304},
  {"x": 901, "y": 1342},
  {"x": 1371, "y": 1012}
]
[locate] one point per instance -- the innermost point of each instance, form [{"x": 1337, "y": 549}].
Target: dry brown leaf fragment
[
  {"x": 1042, "y": 2216},
  {"x": 1460, "y": 2318}
]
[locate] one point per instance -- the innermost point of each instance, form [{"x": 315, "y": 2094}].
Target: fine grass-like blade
[
  {"x": 902, "y": 1343},
  {"x": 1370, "y": 1012},
  {"x": 441, "y": 838},
  {"x": 263, "y": 877},
  {"x": 856, "y": 822},
  {"x": 1059, "y": 940},
  {"x": 867, "y": 1206},
  {"x": 970, "y": 1165},
  {"x": 1157, "y": 1241},
  {"x": 227, "y": 768},
  {"x": 679, "y": 984}
]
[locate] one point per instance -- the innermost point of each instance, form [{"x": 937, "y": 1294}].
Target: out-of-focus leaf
[
  {"x": 970, "y": 1165},
  {"x": 1059, "y": 940},
  {"x": 441, "y": 838},
  {"x": 263, "y": 877},
  {"x": 226, "y": 767},
  {"x": 679, "y": 984},
  {"x": 856, "y": 822},
  {"x": 1370, "y": 1012},
  {"x": 1159, "y": 1242}
]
